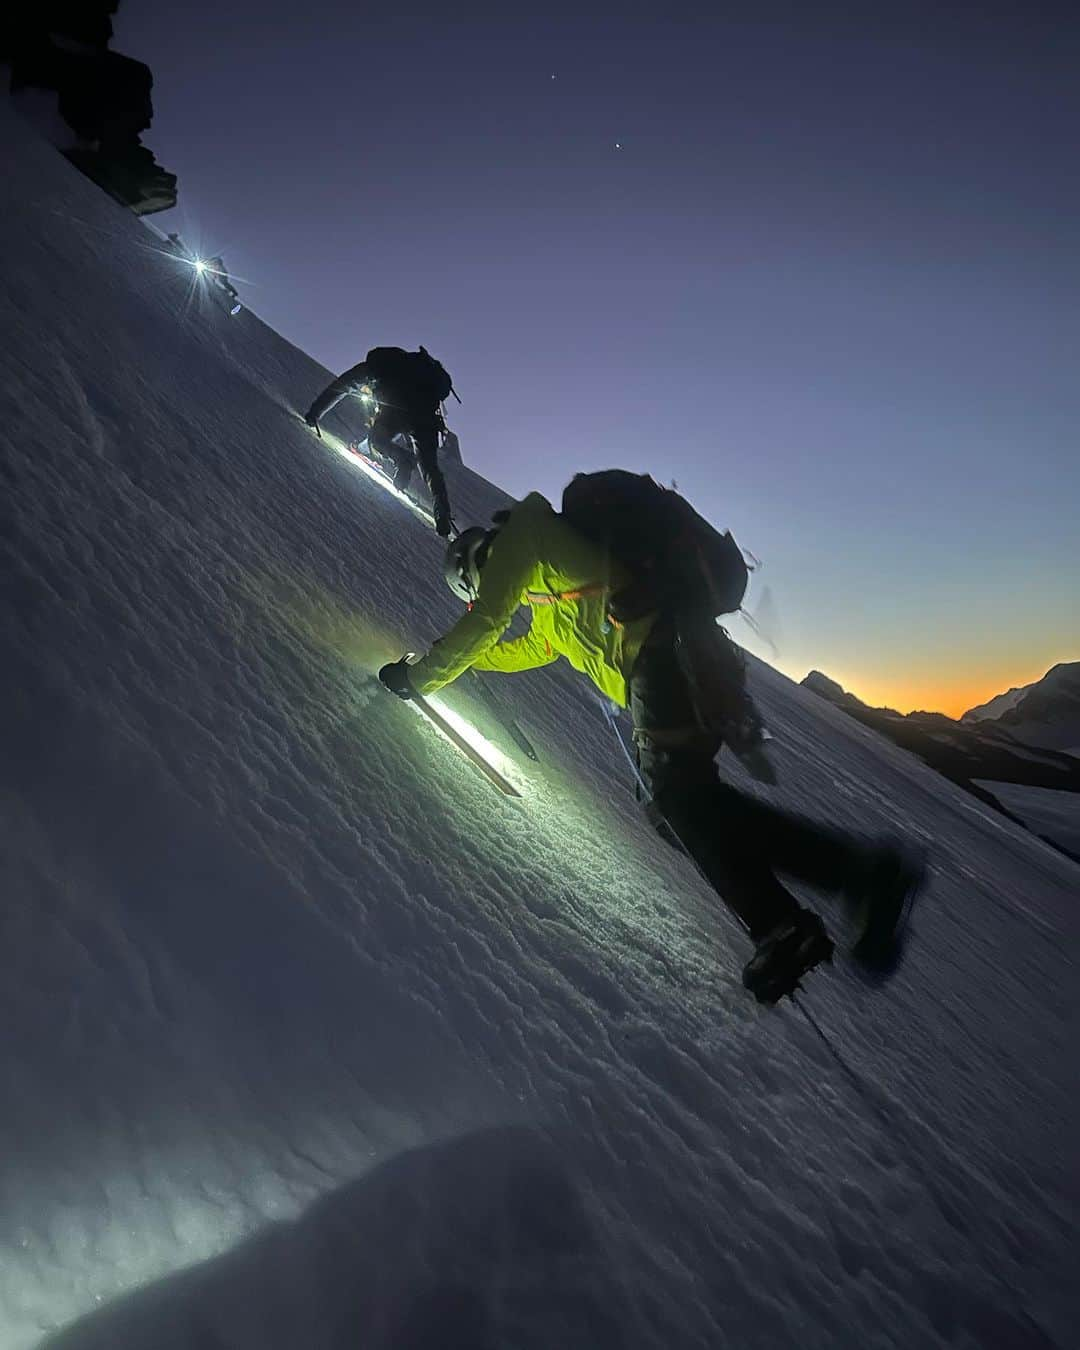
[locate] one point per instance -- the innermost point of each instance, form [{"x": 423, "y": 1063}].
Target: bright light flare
[{"x": 200, "y": 266}]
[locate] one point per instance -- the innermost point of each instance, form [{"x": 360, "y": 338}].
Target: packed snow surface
[
  {"x": 313, "y": 1039},
  {"x": 1051, "y": 814}
]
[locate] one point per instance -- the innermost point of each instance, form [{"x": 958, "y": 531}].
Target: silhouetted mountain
[
  {"x": 835, "y": 693},
  {"x": 994, "y": 707},
  {"x": 996, "y": 750},
  {"x": 1045, "y": 714}
]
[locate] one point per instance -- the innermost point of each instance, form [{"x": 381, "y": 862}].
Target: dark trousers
[
  {"x": 424, "y": 430},
  {"x": 739, "y": 843},
  {"x": 422, "y": 424}
]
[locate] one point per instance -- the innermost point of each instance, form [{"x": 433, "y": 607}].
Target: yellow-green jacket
[{"x": 538, "y": 560}]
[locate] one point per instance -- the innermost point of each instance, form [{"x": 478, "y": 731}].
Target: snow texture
[
  {"x": 312, "y": 1039},
  {"x": 1051, "y": 814}
]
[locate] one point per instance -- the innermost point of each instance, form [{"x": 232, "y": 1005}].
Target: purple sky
[{"x": 822, "y": 273}]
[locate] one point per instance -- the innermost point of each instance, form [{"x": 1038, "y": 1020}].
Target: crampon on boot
[{"x": 785, "y": 955}]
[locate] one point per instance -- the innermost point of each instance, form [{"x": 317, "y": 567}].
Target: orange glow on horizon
[
  {"x": 947, "y": 699},
  {"x": 951, "y": 695}
]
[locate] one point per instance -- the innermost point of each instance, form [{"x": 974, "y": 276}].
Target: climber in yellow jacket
[
  {"x": 533, "y": 557},
  {"x": 538, "y": 560}
]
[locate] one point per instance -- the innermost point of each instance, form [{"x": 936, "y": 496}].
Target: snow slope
[
  {"x": 1053, "y": 815},
  {"x": 311, "y": 1039}
]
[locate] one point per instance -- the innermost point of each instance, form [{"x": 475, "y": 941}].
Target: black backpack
[
  {"x": 677, "y": 561},
  {"x": 410, "y": 375},
  {"x": 434, "y": 375}
]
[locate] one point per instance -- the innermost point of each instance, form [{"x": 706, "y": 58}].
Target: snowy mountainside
[
  {"x": 981, "y": 754},
  {"x": 1048, "y": 715},
  {"x": 1044, "y": 713},
  {"x": 1052, "y": 815},
  {"x": 313, "y": 1039},
  {"x": 995, "y": 706}
]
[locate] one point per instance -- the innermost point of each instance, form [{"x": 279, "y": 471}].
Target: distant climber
[
  {"x": 216, "y": 270},
  {"x": 408, "y": 390},
  {"x": 651, "y": 641}
]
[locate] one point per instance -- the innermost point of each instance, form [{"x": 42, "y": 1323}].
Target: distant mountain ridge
[
  {"x": 1001, "y": 749},
  {"x": 1046, "y": 713},
  {"x": 997, "y": 705}
]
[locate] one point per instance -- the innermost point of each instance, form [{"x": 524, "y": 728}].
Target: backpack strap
[
  {"x": 553, "y": 597},
  {"x": 583, "y": 593}
]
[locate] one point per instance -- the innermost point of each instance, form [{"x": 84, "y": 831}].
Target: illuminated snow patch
[
  {"x": 468, "y": 732},
  {"x": 377, "y": 477},
  {"x": 485, "y": 749}
]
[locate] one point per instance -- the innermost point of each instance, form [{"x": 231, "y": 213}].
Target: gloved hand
[{"x": 395, "y": 677}]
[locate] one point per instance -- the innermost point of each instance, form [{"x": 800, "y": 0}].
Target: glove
[{"x": 395, "y": 677}]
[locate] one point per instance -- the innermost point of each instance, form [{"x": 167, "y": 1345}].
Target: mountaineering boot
[
  {"x": 880, "y": 896},
  {"x": 785, "y": 955}
]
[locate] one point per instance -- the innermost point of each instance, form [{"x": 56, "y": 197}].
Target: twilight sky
[{"x": 823, "y": 272}]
